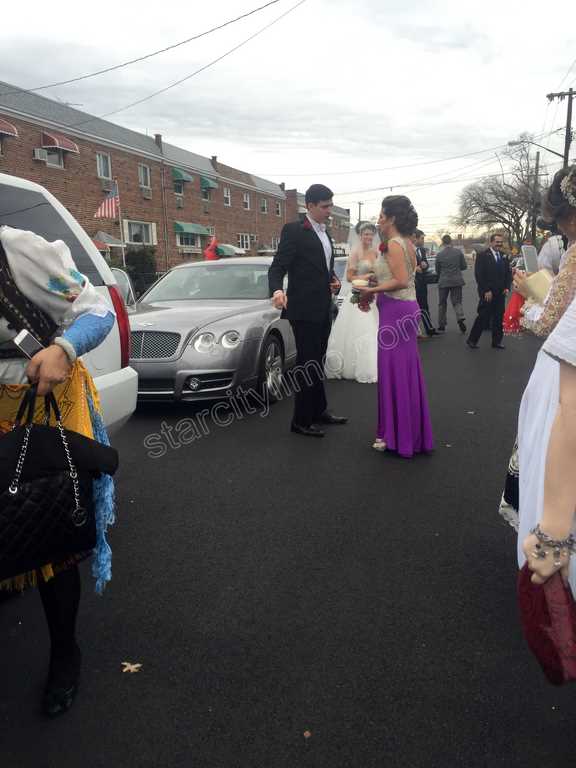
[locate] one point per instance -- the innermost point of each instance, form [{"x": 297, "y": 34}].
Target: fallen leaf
[{"x": 129, "y": 667}]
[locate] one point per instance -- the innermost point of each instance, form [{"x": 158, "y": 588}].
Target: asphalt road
[{"x": 299, "y": 603}]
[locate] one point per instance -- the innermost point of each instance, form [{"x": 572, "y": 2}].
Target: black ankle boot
[{"x": 62, "y": 684}]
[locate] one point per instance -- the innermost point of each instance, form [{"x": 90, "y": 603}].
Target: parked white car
[{"x": 25, "y": 205}]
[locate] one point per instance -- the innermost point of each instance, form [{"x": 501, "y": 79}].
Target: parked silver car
[{"x": 206, "y": 328}]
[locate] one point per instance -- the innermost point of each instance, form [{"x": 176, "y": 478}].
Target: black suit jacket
[
  {"x": 301, "y": 256},
  {"x": 491, "y": 276}
]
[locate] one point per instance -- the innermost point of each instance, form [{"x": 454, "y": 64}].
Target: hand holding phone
[{"x": 28, "y": 344}]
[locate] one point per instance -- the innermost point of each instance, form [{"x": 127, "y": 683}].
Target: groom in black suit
[
  {"x": 494, "y": 278},
  {"x": 306, "y": 255}
]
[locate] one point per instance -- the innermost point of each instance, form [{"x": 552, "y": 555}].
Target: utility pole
[
  {"x": 568, "y": 139},
  {"x": 535, "y": 198},
  {"x": 360, "y": 204}
]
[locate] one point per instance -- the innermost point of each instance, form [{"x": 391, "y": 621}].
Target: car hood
[{"x": 178, "y": 315}]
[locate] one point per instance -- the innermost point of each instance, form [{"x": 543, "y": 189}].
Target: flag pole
[{"x": 121, "y": 225}]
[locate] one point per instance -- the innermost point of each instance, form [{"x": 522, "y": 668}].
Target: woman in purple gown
[{"x": 403, "y": 416}]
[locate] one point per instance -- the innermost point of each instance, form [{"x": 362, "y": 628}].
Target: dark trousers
[
  {"x": 308, "y": 375},
  {"x": 490, "y": 313},
  {"x": 422, "y": 299}
]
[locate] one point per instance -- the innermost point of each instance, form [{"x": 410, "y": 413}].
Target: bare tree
[{"x": 502, "y": 200}]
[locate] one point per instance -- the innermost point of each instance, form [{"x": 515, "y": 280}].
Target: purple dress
[{"x": 403, "y": 414}]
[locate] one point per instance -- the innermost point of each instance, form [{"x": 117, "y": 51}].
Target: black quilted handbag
[{"x": 46, "y": 495}]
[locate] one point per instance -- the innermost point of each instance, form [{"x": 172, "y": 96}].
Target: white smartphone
[{"x": 27, "y": 343}]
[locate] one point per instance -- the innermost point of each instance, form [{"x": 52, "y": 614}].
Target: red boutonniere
[
  {"x": 382, "y": 247},
  {"x": 306, "y": 224}
]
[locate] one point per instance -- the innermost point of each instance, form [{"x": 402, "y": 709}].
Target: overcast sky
[{"x": 335, "y": 92}]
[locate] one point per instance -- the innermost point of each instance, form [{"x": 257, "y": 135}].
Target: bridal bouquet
[{"x": 363, "y": 300}]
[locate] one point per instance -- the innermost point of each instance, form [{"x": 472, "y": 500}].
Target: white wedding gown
[
  {"x": 537, "y": 413},
  {"x": 353, "y": 345}
]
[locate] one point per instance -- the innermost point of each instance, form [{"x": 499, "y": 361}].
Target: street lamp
[{"x": 527, "y": 141}]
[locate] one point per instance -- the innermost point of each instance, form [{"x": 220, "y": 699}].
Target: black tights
[{"x": 60, "y": 598}]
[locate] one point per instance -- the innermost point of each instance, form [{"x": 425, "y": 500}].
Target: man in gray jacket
[{"x": 450, "y": 263}]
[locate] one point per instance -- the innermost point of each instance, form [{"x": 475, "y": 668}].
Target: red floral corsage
[{"x": 306, "y": 224}]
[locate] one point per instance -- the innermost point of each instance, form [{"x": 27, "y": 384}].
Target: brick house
[{"x": 170, "y": 198}]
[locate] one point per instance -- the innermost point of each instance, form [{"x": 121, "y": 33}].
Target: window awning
[
  {"x": 207, "y": 183},
  {"x": 223, "y": 249},
  {"x": 186, "y": 227},
  {"x": 7, "y": 129},
  {"x": 102, "y": 246},
  {"x": 178, "y": 175},
  {"x": 57, "y": 141},
  {"x": 109, "y": 240}
]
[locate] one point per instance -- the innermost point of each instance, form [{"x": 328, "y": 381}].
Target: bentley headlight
[
  {"x": 230, "y": 340},
  {"x": 204, "y": 342}
]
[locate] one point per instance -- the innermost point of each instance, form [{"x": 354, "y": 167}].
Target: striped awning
[
  {"x": 207, "y": 183},
  {"x": 57, "y": 141},
  {"x": 7, "y": 129},
  {"x": 179, "y": 175},
  {"x": 187, "y": 227}
]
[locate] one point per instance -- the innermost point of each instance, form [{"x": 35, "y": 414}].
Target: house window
[
  {"x": 275, "y": 242},
  {"x": 206, "y": 195},
  {"x": 244, "y": 240},
  {"x": 178, "y": 187},
  {"x": 144, "y": 176},
  {"x": 246, "y": 201},
  {"x": 188, "y": 240},
  {"x": 54, "y": 157},
  {"x": 1, "y": 145},
  {"x": 227, "y": 197},
  {"x": 253, "y": 238},
  {"x": 103, "y": 166},
  {"x": 212, "y": 230},
  {"x": 140, "y": 232},
  {"x": 263, "y": 205},
  {"x": 278, "y": 209}
]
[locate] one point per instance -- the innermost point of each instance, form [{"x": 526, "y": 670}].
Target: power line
[
  {"x": 18, "y": 91},
  {"x": 400, "y": 167},
  {"x": 193, "y": 74},
  {"x": 567, "y": 74}
]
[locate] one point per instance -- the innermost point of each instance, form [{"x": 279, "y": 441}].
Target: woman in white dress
[
  {"x": 353, "y": 345},
  {"x": 541, "y": 404}
]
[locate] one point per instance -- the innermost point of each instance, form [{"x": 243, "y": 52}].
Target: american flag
[{"x": 109, "y": 206}]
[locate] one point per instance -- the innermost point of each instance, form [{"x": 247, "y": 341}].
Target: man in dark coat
[
  {"x": 494, "y": 278},
  {"x": 306, "y": 255}
]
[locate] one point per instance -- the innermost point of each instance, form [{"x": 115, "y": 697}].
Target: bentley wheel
[{"x": 271, "y": 369}]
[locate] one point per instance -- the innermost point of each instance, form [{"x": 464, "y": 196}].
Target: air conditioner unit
[
  {"x": 179, "y": 202},
  {"x": 40, "y": 154},
  {"x": 107, "y": 185},
  {"x": 146, "y": 193}
]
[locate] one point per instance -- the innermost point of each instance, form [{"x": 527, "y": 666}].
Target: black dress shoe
[
  {"x": 62, "y": 684},
  {"x": 471, "y": 344},
  {"x": 498, "y": 346},
  {"x": 330, "y": 418},
  {"x": 311, "y": 431},
  {"x": 462, "y": 326}
]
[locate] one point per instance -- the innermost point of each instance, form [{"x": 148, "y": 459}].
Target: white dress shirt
[
  {"x": 497, "y": 256},
  {"x": 320, "y": 230}
]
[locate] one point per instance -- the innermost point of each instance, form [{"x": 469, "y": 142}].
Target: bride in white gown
[{"x": 353, "y": 345}]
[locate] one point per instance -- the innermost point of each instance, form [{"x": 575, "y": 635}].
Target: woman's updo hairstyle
[
  {"x": 365, "y": 226},
  {"x": 405, "y": 216},
  {"x": 560, "y": 199}
]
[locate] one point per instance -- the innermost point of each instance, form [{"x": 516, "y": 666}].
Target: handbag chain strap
[{"x": 79, "y": 516}]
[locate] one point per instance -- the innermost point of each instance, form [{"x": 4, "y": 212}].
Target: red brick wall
[{"x": 78, "y": 187}]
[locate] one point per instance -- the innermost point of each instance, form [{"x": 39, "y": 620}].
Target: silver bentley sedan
[{"x": 206, "y": 328}]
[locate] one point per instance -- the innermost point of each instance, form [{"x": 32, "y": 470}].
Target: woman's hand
[
  {"x": 543, "y": 567},
  {"x": 519, "y": 283},
  {"x": 49, "y": 368}
]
